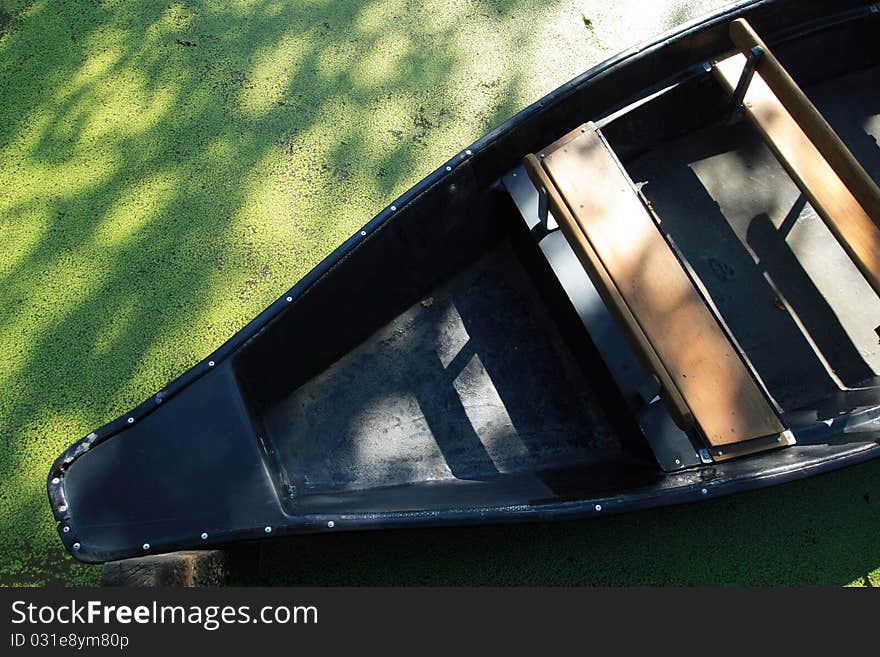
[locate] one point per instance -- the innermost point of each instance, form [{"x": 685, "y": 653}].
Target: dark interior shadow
[
  {"x": 549, "y": 406},
  {"x": 776, "y": 259},
  {"x": 770, "y": 338},
  {"x": 472, "y": 382},
  {"x": 848, "y": 103},
  {"x": 447, "y": 418}
]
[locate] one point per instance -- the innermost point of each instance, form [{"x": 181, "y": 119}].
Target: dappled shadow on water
[{"x": 170, "y": 168}]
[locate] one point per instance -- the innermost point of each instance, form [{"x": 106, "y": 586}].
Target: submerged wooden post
[{"x": 175, "y": 569}]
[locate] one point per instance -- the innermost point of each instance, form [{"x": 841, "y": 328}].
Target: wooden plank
[
  {"x": 670, "y": 394},
  {"x": 827, "y": 193},
  {"x": 810, "y": 120},
  {"x": 726, "y": 402}
]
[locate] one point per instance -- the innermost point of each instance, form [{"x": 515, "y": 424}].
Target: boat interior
[{"x": 523, "y": 355}]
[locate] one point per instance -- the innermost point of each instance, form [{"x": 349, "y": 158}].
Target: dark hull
[{"x": 432, "y": 372}]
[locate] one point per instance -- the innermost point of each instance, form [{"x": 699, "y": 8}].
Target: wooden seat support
[
  {"x": 837, "y": 186},
  {"x": 703, "y": 379}
]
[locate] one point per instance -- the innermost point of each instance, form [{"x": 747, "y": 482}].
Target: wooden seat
[
  {"x": 704, "y": 382},
  {"x": 837, "y": 186}
]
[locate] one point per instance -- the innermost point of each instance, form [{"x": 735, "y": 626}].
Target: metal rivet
[
  {"x": 598, "y": 507},
  {"x": 583, "y": 129},
  {"x": 204, "y": 535},
  {"x": 131, "y": 420},
  {"x": 363, "y": 232},
  {"x": 76, "y": 546},
  {"x": 289, "y": 299},
  {"x": 210, "y": 363},
  {"x": 719, "y": 453},
  {"x": 146, "y": 546},
  {"x": 704, "y": 491},
  {"x": 677, "y": 461},
  {"x": 65, "y": 529},
  {"x": 449, "y": 168},
  {"x": 56, "y": 481},
  {"x": 331, "y": 524},
  {"x": 542, "y": 155},
  {"x": 468, "y": 152},
  {"x": 268, "y": 530},
  {"x": 393, "y": 208},
  {"x": 62, "y": 508},
  {"x": 707, "y": 67}
]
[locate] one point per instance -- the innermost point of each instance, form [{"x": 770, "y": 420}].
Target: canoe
[{"x": 656, "y": 285}]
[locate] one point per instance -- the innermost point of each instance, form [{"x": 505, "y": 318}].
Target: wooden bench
[
  {"x": 837, "y": 186},
  {"x": 703, "y": 380}
]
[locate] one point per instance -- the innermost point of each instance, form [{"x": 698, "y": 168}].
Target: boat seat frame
[
  {"x": 704, "y": 382},
  {"x": 827, "y": 173}
]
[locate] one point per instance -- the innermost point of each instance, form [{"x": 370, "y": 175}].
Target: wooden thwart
[
  {"x": 591, "y": 263},
  {"x": 811, "y": 121},
  {"x": 663, "y": 314},
  {"x": 835, "y": 183}
]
